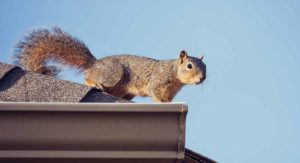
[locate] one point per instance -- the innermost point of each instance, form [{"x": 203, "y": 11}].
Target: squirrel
[{"x": 124, "y": 76}]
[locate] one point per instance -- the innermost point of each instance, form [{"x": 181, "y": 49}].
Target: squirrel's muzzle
[{"x": 202, "y": 78}]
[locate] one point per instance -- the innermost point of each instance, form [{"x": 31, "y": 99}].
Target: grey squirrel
[{"x": 124, "y": 76}]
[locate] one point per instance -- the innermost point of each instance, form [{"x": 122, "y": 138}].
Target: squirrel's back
[
  {"x": 43, "y": 45},
  {"x": 140, "y": 66}
]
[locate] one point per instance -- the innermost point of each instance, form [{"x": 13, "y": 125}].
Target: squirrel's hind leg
[
  {"x": 90, "y": 83},
  {"x": 106, "y": 76}
]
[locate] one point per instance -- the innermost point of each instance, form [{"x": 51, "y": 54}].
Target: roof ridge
[
  {"x": 13, "y": 75},
  {"x": 5, "y": 68}
]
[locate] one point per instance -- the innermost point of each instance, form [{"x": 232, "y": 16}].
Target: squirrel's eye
[{"x": 189, "y": 66}]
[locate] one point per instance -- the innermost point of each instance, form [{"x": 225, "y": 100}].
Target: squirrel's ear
[
  {"x": 183, "y": 55},
  {"x": 201, "y": 57}
]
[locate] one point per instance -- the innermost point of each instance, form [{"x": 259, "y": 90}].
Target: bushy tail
[{"x": 42, "y": 45}]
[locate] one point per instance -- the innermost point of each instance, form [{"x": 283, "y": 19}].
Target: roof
[
  {"x": 193, "y": 157},
  {"x": 17, "y": 85}
]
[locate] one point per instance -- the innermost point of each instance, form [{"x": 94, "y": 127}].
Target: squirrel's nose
[{"x": 202, "y": 78}]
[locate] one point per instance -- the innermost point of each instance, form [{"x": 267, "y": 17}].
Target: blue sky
[{"x": 248, "y": 109}]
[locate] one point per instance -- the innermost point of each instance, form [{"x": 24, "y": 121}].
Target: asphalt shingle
[
  {"x": 17, "y": 85},
  {"x": 193, "y": 157}
]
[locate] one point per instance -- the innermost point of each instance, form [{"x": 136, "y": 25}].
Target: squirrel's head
[{"x": 191, "y": 70}]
